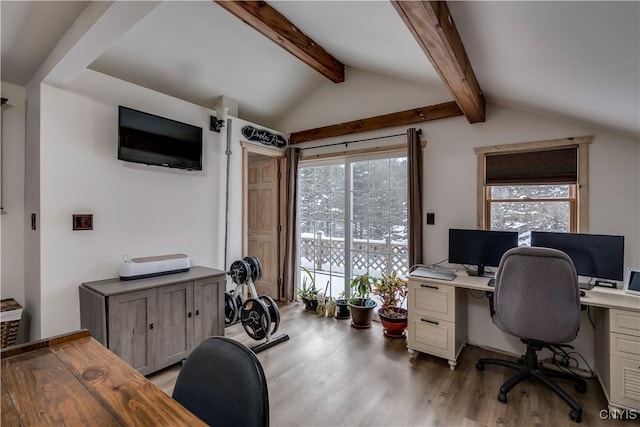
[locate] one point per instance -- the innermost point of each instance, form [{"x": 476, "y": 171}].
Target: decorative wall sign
[
  {"x": 264, "y": 137},
  {"x": 83, "y": 222}
]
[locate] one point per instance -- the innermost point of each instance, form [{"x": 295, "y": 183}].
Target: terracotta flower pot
[{"x": 395, "y": 324}]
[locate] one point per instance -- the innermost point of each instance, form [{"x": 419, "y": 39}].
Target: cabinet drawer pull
[
  {"x": 430, "y": 321},
  {"x": 189, "y": 314},
  {"x": 151, "y": 326},
  {"x": 428, "y": 286},
  {"x": 197, "y": 312}
]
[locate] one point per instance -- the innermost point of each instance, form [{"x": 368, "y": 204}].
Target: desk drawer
[
  {"x": 625, "y": 382},
  {"x": 625, "y": 322},
  {"x": 432, "y": 300},
  {"x": 433, "y": 336},
  {"x": 626, "y": 346}
]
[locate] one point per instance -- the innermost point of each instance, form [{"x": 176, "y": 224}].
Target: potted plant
[
  {"x": 392, "y": 291},
  {"x": 308, "y": 292},
  {"x": 331, "y": 307},
  {"x": 322, "y": 301},
  {"x": 360, "y": 305},
  {"x": 342, "y": 307}
]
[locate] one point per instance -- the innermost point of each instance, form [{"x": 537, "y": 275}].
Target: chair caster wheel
[
  {"x": 576, "y": 415},
  {"x": 502, "y": 397},
  {"x": 581, "y": 387},
  {"x": 480, "y": 366}
]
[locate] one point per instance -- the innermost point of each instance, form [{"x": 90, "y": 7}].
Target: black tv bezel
[
  {"x": 558, "y": 236},
  {"x": 162, "y": 120}
]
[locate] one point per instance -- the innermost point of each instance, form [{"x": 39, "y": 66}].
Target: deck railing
[{"x": 326, "y": 253}]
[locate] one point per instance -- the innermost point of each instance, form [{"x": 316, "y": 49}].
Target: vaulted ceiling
[{"x": 578, "y": 60}]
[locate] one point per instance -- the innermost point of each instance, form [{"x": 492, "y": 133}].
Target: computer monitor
[
  {"x": 594, "y": 255},
  {"x": 480, "y": 248}
]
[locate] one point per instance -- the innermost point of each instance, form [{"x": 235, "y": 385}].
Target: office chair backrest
[
  {"x": 223, "y": 384},
  {"x": 537, "y": 295}
]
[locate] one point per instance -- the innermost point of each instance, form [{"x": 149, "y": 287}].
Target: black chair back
[{"x": 223, "y": 384}]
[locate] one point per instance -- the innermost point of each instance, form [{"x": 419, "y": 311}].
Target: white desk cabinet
[
  {"x": 618, "y": 356},
  {"x": 437, "y": 321}
]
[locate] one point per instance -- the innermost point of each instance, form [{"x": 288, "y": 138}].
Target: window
[
  {"x": 531, "y": 207},
  {"x": 539, "y": 185},
  {"x": 353, "y": 219}
]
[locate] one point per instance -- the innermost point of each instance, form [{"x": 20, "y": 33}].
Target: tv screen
[
  {"x": 594, "y": 255},
  {"x": 153, "y": 140},
  {"x": 480, "y": 247}
]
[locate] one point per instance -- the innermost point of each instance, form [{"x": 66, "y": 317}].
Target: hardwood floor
[{"x": 329, "y": 374}]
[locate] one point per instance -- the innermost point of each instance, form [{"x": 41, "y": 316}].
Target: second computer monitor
[
  {"x": 480, "y": 247},
  {"x": 594, "y": 255}
]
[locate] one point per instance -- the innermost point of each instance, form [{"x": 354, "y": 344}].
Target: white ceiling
[{"x": 575, "y": 59}]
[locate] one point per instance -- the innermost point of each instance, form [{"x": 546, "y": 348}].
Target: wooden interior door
[{"x": 262, "y": 219}]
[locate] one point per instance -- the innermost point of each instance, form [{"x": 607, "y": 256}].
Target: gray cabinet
[
  {"x": 155, "y": 322},
  {"x": 208, "y": 311},
  {"x": 175, "y": 323},
  {"x": 131, "y": 321}
]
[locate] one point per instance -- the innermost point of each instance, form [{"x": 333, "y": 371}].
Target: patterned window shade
[{"x": 558, "y": 166}]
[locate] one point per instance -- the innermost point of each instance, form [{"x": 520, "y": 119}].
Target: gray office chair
[
  {"x": 537, "y": 298},
  {"x": 223, "y": 384}
]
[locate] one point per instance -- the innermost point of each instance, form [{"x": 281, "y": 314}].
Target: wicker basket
[{"x": 10, "y": 327}]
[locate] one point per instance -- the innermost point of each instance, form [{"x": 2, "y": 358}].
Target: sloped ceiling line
[
  {"x": 434, "y": 30},
  {"x": 276, "y": 27}
]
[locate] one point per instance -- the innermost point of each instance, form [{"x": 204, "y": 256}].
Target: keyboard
[{"x": 431, "y": 273}]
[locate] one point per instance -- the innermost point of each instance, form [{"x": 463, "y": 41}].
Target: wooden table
[{"x": 73, "y": 380}]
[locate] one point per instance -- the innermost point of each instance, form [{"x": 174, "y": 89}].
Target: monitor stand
[
  {"x": 480, "y": 272},
  {"x": 585, "y": 285}
]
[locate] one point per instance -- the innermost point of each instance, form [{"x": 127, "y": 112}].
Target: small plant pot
[
  {"x": 342, "y": 309},
  {"x": 362, "y": 313},
  {"x": 393, "y": 325},
  {"x": 310, "y": 304},
  {"x": 321, "y": 310},
  {"x": 331, "y": 308}
]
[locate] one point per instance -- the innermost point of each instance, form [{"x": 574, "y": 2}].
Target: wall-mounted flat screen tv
[{"x": 153, "y": 140}]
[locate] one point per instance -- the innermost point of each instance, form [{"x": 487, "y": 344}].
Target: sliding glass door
[{"x": 353, "y": 219}]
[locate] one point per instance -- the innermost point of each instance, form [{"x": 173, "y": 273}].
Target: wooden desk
[{"x": 73, "y": 380}]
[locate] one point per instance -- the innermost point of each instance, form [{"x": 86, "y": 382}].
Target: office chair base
[{"x": 530, "y": 369}]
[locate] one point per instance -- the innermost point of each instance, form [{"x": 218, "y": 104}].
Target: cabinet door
[
  {"x": 625, "y": 377},
  {"x": 132, "y": 328},
  {"x": 208, "y": 308},
  {"x": 175, "y": 320}
]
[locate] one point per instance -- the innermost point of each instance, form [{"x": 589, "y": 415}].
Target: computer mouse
[{"x": 582, "y": 293}]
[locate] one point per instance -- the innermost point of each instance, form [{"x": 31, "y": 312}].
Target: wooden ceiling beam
[
  {"x": 434, "y": 30},
  {"x": 415, "y": 115},
  {"x": 276, "y": 27}
]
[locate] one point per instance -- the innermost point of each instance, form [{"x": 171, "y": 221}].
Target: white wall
[
  {"x": 450, "y": 174},
  {"x": 362, "y": 94},
  {"x": 137, "y": 210},
  {"x": 31, "y": 313},
  {"x": 13, "y": 219}
]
